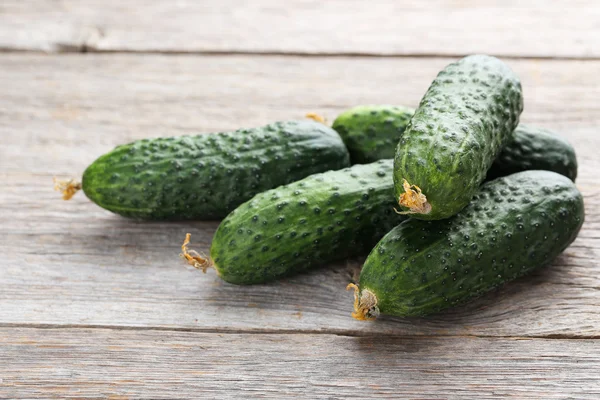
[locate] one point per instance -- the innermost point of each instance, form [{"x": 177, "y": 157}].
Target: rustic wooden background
[{"x": 93, "y": 305}]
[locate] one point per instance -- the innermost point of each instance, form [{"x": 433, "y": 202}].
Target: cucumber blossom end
[
  {"x": 365, "y": 304},
  {"x": 193, "y": 258},
  {"x": 68, "y": 188},
  {"x": 413, "y": 199}
]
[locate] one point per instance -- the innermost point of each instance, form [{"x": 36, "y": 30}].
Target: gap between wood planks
[
  {"x": 88, "y": 48},
  {"x": 341, "y": 332},
  {"x": 534, "y": 28}
]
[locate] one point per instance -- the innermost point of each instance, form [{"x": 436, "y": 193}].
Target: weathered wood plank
[
  {"x": 442, "y": 27},
  {"x": 97, "y": 363},
  {"x": 84, "y": 106},
  {"x": 70, "y": 263},
  {"x": 86, "y": 267}
]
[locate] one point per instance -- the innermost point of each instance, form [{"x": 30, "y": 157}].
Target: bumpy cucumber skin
[
  {"x": 464, "y": 120},
  {"x": 512, "y": 226},
  {"x": 535, "y": 148},
  {"x": 324, "y": 217},
  {"x": 207, "y": 176},
  {"x": 372, "y": 132}
]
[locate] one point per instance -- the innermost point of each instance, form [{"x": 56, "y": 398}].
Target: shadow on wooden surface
[{"x": 87, "y": 267}]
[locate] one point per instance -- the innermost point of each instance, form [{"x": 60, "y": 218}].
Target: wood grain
[
  {"x": 84, "y": 363},
  {"x": 83, "y": 106},
  {"x": 96, "y": 306},
  {"x": 86, "y": 268},
  {"x": 513, "y": 28},
  {"x": 73, "y": 264}
]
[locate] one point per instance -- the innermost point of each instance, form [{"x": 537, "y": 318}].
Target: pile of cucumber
[{"x": 449, "y": 200}]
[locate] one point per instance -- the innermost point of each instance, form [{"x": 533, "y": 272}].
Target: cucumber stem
[
  {"x": 316, "y": 117},
  {"x": 195, "y": 259},
  {"x": 413, "y": 199},
  {"x": 365, "y": 304},
  {"x": 68, "y": 188}
]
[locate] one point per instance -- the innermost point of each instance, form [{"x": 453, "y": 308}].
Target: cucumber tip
[
  {"x": 193, "y": 258},
  {"x": 68, "y": 188},
  {"x": 413, "y": 199},
  {"x": 365, "y": 304},
  {"x": 316, "y": 117}
]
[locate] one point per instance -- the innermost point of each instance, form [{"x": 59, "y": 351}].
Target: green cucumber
[
  {"x": 462, "y": 123},
  {"x": 535, "y": 148},
  {"x": 370, "y": 132},
  {"x": 322, "y": 218},
  {"x": 514, "y": 225},
  {"x": 207, "y": 176}
]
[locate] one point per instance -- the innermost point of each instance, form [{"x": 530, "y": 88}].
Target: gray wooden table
[{"x": 97, "y": 306}]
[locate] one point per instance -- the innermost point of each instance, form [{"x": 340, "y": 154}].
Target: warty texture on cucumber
[
  {"x": 465, "y": 118},
  {"x": 370, "y": 132},
  {"x": 512, "y": 226},
  {"x": 207, "y": 176},
  {"x": 319, "y": 219}
]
